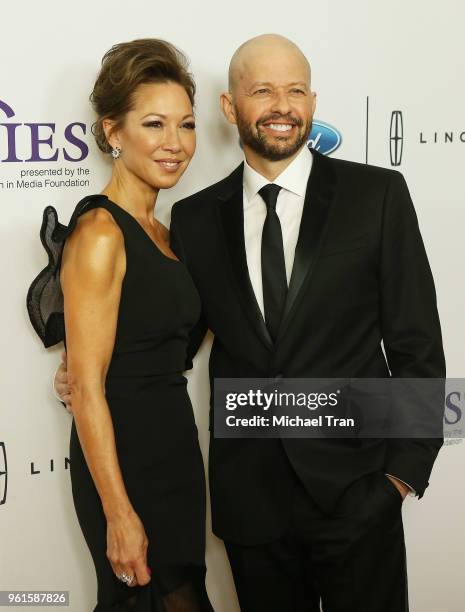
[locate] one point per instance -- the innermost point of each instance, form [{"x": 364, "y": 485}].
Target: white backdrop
[{"x": 403, "y": 56}]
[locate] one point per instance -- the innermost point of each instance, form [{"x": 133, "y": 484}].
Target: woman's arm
[{"x": 92, "y": 273}]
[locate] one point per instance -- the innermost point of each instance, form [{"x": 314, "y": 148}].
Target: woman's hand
[
  {"x": 127, "y": 548},
  {"x": 61, "y": 386}
]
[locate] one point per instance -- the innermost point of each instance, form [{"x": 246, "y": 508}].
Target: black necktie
[{"x": 273, "y": 267}]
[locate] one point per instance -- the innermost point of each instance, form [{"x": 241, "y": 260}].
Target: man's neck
[{"x": 269, "y": 169}]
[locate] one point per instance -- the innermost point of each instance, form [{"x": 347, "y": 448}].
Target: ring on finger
[{"x": 125, "y": 578}]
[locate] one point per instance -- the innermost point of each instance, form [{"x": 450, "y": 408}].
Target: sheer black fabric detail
[
  {"x": 170, "y": 590},
  {"x": 45, "y": 297}
]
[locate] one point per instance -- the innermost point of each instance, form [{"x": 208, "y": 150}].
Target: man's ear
[
  {"x": 313, "y": 102},
  {"x": 227, "y": 107},
  {"x": 111, "y": 133}
]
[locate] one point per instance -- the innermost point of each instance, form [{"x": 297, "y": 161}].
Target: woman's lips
[{"x": 168, "y": 165}]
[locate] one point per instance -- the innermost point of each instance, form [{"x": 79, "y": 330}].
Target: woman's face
[{"x": 157, "y": 138}]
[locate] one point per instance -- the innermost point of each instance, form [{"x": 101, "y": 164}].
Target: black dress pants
[{"x": 351, "y": 561}]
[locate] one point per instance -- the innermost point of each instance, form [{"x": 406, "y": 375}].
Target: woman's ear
[{"x": 111, "y": 133}]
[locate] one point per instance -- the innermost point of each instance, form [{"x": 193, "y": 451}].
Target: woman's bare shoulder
[
  {"x": 96, "y": 243},
  {"x": 97, "y": 227}
]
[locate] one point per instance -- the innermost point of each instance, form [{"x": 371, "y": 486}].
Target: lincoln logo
[
  {"x": 3, "y": 473},
  {"x": 397, "y": 137}
]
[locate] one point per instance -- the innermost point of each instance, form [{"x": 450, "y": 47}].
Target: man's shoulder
[
  {"x": 208, "y": 197},
  {"x": 344, "y": 167}
]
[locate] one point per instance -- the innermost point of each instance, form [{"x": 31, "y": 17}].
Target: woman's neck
[{"x": 132, "y": 194}]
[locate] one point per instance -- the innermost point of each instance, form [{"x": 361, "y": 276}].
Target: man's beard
[{"x": 273, "y": 151}]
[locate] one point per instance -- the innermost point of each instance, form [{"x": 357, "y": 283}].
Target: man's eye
[
  {"x": 261, "y": 91},
  {"x": 297, "y": 91}
]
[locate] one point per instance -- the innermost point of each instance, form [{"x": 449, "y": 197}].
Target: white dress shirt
[{"x": 293, "y": 182}]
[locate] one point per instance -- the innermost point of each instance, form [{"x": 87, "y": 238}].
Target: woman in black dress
[{"x": 123, "y": 303}]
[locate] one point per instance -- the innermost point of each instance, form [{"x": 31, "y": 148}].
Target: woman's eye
[
  {"x": 190, "y": 125},
  {"x": 154, "y": 124}
]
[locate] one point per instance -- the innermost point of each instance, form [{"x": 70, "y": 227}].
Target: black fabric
[
  {"x": 360, "y": 279},
  {"x": 155, "y": 433},
  {"x": 45, "y": 298},
  {"x": 355, "y": 560},
  {"x": 272, "y": 259}
]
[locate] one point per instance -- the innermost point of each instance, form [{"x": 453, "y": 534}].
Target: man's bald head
[
  {"x": 270, "y": 98},
  {"x": 265, "y": 50}
]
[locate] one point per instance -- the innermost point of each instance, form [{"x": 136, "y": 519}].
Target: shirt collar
[{"x": 294, "y": 178}]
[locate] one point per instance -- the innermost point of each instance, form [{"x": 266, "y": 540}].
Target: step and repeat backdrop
[{"x": 390, "y": 79}]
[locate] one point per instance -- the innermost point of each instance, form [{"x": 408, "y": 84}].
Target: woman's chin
[{"x": 166, "y": 181}]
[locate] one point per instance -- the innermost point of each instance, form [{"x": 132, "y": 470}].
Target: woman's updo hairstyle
[{"x": 126, "y": 66}]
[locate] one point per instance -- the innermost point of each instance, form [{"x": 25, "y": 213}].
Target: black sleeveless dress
[{"x": 155, "y": 432}]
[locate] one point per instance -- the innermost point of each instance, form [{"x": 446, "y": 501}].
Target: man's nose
[{"x": 281, "y": 103}]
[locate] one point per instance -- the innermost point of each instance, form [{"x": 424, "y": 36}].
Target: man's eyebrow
[
  {"x": 259, "y": 84},
  {"x": 262, "y": 83}
]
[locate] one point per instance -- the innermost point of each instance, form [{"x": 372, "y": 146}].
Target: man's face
[{"x": 273, "y": 104}]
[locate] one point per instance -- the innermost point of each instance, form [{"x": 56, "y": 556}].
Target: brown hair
[{"x": 126, "y": 66}]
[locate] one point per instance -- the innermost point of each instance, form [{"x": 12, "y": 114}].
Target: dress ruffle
[{"x": 45, "y": 297}]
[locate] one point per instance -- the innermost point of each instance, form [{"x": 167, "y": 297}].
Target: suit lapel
[
  {"x": 232, "y": 222},
  {"x": 316, "y": 212}
]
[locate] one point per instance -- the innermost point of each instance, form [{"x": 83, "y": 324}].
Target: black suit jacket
[{"x": 360, "y": 277}]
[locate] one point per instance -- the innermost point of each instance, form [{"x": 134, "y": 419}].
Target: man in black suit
[{"x": 306, "y": 265}]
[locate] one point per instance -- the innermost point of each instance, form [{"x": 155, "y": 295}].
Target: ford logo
[{"x": 324, "y": 138}]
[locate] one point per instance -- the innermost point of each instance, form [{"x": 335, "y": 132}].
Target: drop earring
[{"x": 115, "y": 152}]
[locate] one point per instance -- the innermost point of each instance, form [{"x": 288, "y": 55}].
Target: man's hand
[
  {"x": 61, "y": 384},
  {"x": 400, "y": 486}
]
